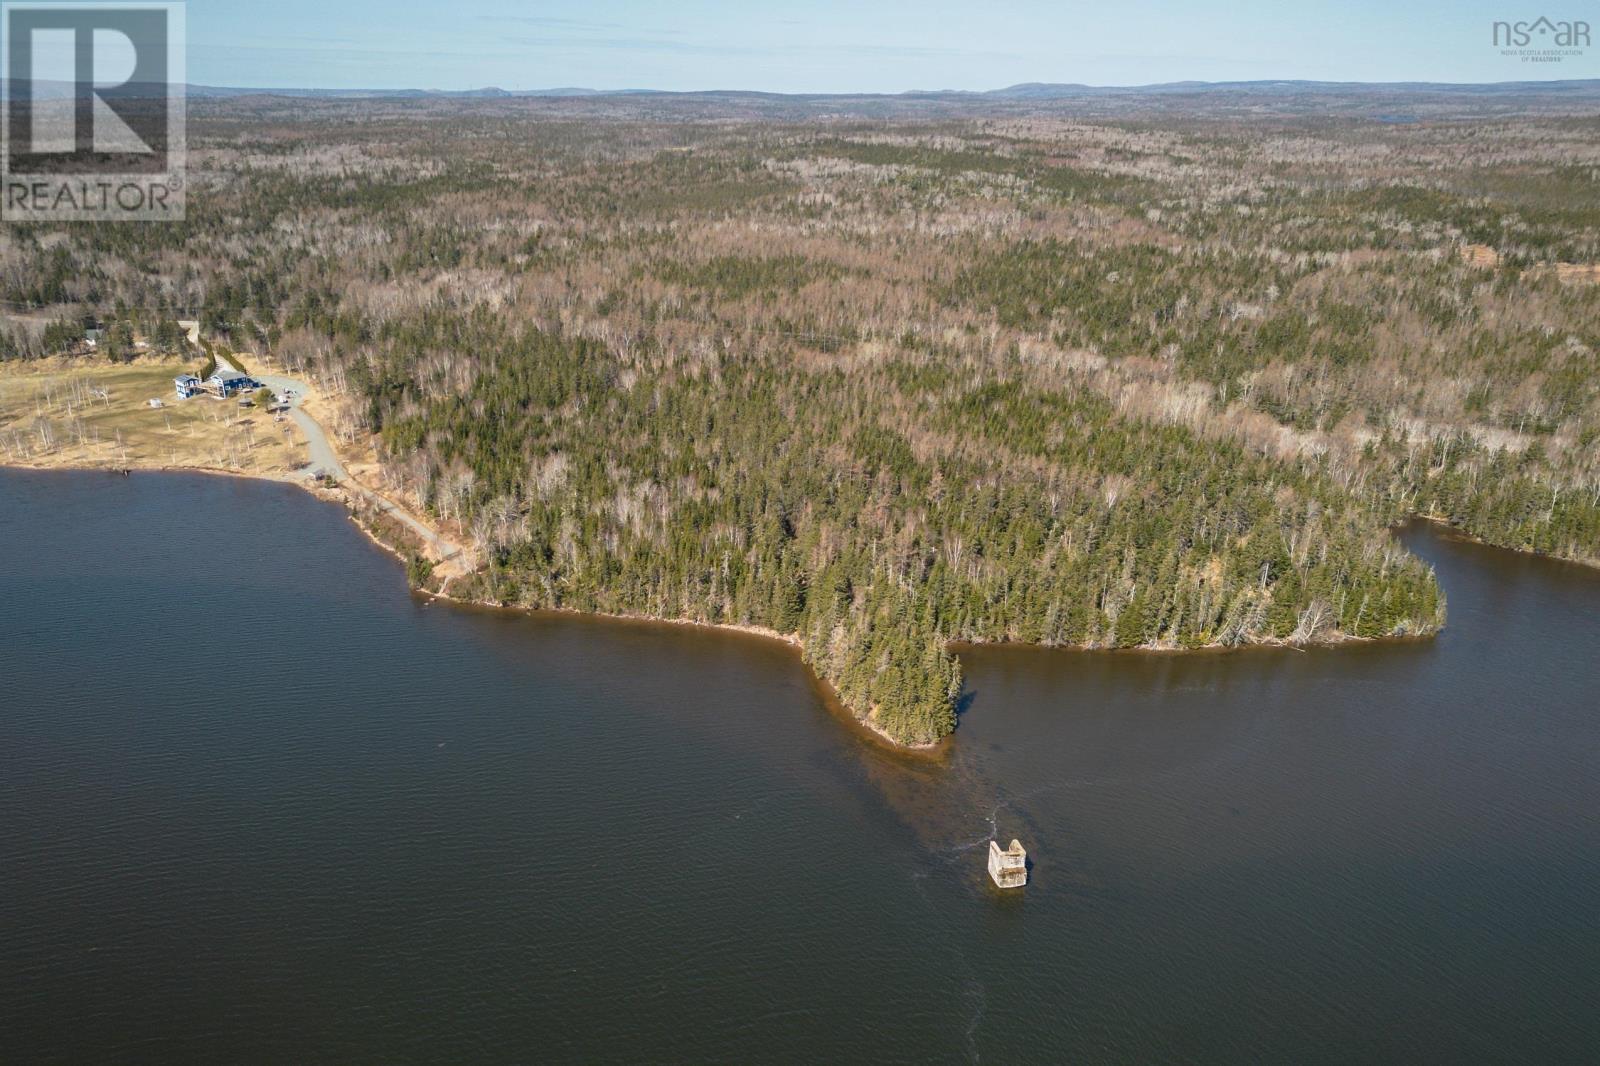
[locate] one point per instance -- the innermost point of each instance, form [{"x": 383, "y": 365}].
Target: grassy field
[{"x": 84, "y": 412}]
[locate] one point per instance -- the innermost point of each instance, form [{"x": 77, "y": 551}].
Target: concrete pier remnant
[{"x": 1009, "y": 868}]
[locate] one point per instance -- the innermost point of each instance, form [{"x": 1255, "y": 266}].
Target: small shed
[{"x": 1009, "y": 868}]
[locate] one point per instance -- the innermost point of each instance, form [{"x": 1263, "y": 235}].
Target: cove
[{"x": 258, "y": 802}]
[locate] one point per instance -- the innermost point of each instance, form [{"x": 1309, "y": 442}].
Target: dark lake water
[{"x": 260, "y": 804}]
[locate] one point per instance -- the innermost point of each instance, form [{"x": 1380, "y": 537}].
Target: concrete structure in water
[{"x": 1009, "y": 868}]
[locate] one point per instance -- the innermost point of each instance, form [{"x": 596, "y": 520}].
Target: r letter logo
[{"x": 94, "y": 112}]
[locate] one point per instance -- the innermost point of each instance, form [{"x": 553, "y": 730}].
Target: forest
[{"x": 894, "y": 381}]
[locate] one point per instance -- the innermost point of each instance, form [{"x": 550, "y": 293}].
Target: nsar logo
[{"x": 1543, "y": 40}]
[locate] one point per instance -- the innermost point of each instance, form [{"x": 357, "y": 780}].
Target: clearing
[{"x": 87, "y": 413}]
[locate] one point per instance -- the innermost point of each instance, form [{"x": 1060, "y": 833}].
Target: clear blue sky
[{"x": 855, "y": 45}]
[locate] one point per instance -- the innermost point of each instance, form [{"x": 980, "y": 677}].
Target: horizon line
[{"x": 641, "y": 91}]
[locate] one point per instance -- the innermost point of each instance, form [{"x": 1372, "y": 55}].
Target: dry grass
[
  {"x": 1579, "y": 272},
  {"x": 89, "y": 413}
]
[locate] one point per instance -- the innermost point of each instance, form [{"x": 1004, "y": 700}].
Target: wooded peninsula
[{"x": 888, "y": 374}]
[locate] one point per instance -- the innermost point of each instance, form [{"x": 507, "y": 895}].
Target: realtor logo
[
  {"x": 94, "y": 111},
  {"x": 1542, "y": 40}
]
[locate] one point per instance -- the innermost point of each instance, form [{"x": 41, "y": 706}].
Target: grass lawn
[{"x": 86, "y": 412}]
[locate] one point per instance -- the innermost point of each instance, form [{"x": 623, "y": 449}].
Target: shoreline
[
  {"x": 146, "y": 468},
  {"x": 867, "y": 729},
  {"x": 831, "y": 697},
  {"x": 1449, "y": 528},
  {"x": 870, "y": 731}
]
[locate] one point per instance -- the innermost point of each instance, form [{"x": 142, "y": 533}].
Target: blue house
[
  {"x": 228, "y": 382},
  {"x": 188, "y": 385}
]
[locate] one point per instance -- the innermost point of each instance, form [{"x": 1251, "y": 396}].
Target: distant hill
[
  {"x": 488, "y": 93},
  {"x": 1047, "y": 91},
  {"x": 1026, "y": 91},
  {"x": 1023, "y": 91}
]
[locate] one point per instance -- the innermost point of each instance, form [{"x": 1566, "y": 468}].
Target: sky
[{"x": 856, "y": 45}]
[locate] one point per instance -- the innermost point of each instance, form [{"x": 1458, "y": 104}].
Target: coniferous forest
[{"x": 894, "y": 375}]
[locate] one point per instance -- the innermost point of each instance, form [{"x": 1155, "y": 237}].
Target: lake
[{"x": 259, "y": 803}]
